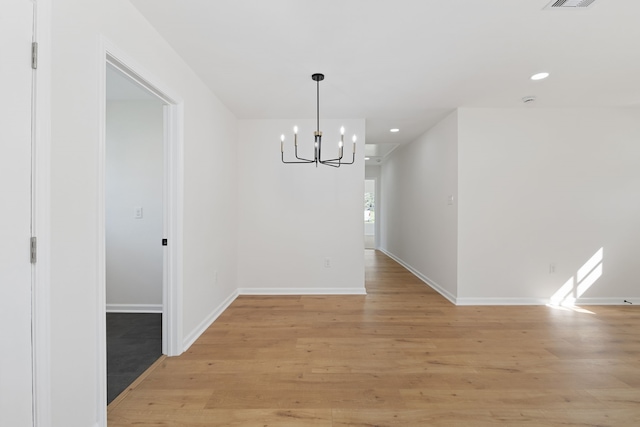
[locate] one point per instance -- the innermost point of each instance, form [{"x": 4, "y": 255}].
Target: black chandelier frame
[{"x": 317, "y": 158}]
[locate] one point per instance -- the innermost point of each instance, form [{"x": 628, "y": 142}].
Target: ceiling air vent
[{"x": 569, "y": 4}]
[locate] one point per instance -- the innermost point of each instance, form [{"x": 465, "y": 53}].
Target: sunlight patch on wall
[
  {"x": 564, "y": 292},
  {"x": 577, "y": 285}
]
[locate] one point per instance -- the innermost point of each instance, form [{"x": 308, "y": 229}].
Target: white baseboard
[
  {"x": 199, "y": 330},
  {"x": 607, "y": 301},
  {"x": 302, "y": 291},
  {"x": 545, "y": 301},
  {"x": 134, "y": 308},
  {"x": 502, "y": 301},
  {"x": 431, "y": 283},
  {"x": 505, "y": 301}
]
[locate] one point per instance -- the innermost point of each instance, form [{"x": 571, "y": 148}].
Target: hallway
[{"x": 400, "y": 356}]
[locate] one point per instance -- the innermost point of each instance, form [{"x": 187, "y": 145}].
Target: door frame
[
  {"x": 376, "y": 178},
  {"x": 379, "y": 214},
  {"x": 172, "y": 341},
  {"x": 375, "y": 201}
]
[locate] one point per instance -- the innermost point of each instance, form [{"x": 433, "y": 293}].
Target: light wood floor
[{"x": 400, "y": 356}]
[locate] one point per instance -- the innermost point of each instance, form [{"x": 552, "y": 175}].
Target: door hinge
[
  {"x": 164, "y": 242},
  {"x": 34, "y": 250},
  {"x": 34, "y": 55}
]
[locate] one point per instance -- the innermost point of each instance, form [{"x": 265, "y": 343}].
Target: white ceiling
[{"x": 403, "y": 63}]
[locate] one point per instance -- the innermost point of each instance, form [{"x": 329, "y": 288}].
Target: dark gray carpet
[{"x": 134, "y": 342}]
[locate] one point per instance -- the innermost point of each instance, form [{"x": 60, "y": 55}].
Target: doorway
[
  {"x": 369, "y": 213},
  {"x": 134, "y": 217},
  {"x": 169, "y": 242}
]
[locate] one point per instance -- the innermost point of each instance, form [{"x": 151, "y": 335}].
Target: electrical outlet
[
  {"x": 327, "y": 263},
  {"x": 552, "y": 268},
  {"x": 137, "y": 212}
]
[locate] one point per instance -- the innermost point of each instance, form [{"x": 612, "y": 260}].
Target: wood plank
[
  {"x": 485, "y": 418},
  {"x": 222, "y": 418}
]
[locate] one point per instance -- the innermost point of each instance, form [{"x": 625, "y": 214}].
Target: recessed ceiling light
[
  {"x": 540, "y": 76},
  {"x": 367, "y": 158},
  {"x": 394, "y": 130}
]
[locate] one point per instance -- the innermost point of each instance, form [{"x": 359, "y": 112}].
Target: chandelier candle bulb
[{"x": 282, "y": 143}]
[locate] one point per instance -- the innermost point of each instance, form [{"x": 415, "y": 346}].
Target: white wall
[
  {"x": 134, "y": 178},
  {"x": 210, "y": 195},
  {"x": 542, "y": 186},
  {"x": 419, "y": 227},
  {"x": 372, "y": 172},
  {"x": 292, "y": 217},
  {"x": 369, "y": 186}
]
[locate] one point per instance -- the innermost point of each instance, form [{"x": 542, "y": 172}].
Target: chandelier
[{"x": 317, "y": 150}]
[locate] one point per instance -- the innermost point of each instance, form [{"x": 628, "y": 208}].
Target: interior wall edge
[
  {"x": 432, "y": 284},
  {"x": 193, "y": 336}
]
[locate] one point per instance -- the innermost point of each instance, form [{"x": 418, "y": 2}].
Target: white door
[{"x": 15, "y": 213}]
